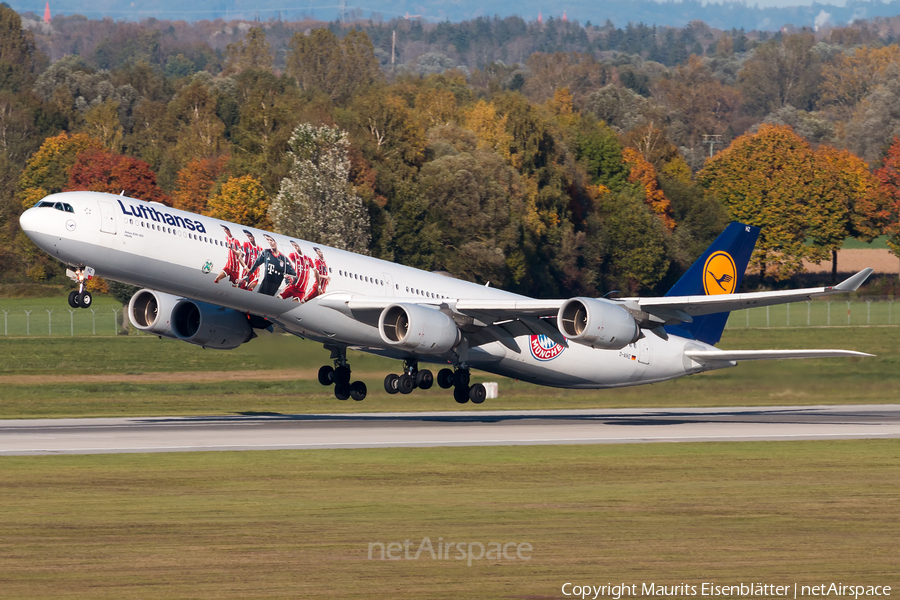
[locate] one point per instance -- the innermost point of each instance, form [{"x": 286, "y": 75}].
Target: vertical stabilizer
[{"x": 719, "y": 270}]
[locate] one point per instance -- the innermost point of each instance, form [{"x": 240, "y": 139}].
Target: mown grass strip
[{"x": 298, "y": 523}]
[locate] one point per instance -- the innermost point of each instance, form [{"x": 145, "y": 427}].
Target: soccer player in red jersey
[
  {"x": 235, "y": 262},
  {"x": 251, "y": 253},
  {"x": 302, "y": 265},
  {"x": 322, "y": 276}
]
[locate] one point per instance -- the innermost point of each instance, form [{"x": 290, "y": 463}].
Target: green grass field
[
  {"x": 298, "y": 524},
  {"x": 830, "y": 381}
]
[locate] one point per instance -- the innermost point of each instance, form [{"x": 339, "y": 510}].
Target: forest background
[{"x": 548, "y": 158}]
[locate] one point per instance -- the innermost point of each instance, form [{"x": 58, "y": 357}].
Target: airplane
[{"x": 212, "y": 283}]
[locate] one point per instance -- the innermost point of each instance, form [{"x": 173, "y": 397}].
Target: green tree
[
  {"x": 338, "y": 67},
  {"x": 20, "y": 60},
  {"x": 316, "y": 202},
  {"x": 252, "y": 52}
]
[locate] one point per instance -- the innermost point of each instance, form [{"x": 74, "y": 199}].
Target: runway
[{"x": 470, "y": 428}]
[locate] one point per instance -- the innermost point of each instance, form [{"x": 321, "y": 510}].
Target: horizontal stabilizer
[{"x": 729, "y": 355}]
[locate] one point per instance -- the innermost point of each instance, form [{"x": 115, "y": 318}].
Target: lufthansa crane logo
[{"x": 719, "y": 274}]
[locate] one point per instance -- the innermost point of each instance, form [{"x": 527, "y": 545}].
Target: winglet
[{"x": 851, "y": 284}]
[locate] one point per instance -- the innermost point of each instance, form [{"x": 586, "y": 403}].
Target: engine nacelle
[
  {"x": 597, "y": 323},
  {"x": 209, "y": 325},
  {"x": 418, "y": 329},
  {"x": 151, "y": 311}
]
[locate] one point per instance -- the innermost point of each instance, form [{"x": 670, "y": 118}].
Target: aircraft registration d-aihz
[{"x": 209, "y": 282}]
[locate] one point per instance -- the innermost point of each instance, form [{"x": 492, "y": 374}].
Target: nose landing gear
[{"x": 80, "y": 298}]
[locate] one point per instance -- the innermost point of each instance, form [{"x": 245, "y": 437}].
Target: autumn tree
[
  {"x": 643, "y": 173},
  {"x": 99, "y": 170},
  {"x": 195, "y": 183},
  {"x": 774, "y": 180},
  {"x": 48, "y": 170},
  {"x": 851, "y": 76},
  {"x": 102, "y": 123},
  {"x": 888, "y": 177},
  {"x": 193, "y": 114},
  {"x": 316, "y": 202},
  {"x": 848, "y": 202},
  {"x": 241, "y": 200}
]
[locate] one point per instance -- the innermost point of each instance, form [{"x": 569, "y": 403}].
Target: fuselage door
[
  {"x": 643, "y": 352},
  {"x": 107, "y": 217},
  {"x": 388, "y": 284}
]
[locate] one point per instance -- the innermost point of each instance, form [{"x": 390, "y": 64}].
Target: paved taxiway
[{"x": 471, "y": 428}]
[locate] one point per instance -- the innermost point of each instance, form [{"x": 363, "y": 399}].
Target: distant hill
[{"x": 675, "y": 14}]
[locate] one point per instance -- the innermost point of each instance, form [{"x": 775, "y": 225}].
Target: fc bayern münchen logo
[{"x": 543, "y": 348}]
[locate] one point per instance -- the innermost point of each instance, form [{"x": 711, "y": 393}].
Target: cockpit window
[{"x": 57, "y": 205}]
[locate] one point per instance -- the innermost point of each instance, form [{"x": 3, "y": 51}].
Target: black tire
[
  {"x": 326, "y": 375},
  {"x": 85, "y": 300},
  {"x": 445, "y": 378},
  {"x": 461, "y": 378},
  {"x": 342, "y": 392},
  {"x": 72, "y": 299},
  {"x": 477, "y": 393},
  {"x": 391, "y": 385},
  {"x": 461, "y": 394},
  {"x": 358, "y": 390},
  {"x": 424, "y": 379},
  {"x": 342, "y": 375},
  {"x": 406, "y": 384}
]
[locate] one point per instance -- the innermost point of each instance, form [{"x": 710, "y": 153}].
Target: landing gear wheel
[
  {"x": 326, "y": 375},
  {"x": 73, "y": 302},
  {"x": 358, "y": 390},
  {"x": 342, "y": 375},
  {"x": 424, "y": 379},
  {"x": 461, "y": 378},
  {"x": 477, "y": 393},
  {"x": 85, "y": 300},
  {"x": 391, "y": 383},
  {"x": 406, "y": 384},
  {"x": 341, "y": 391},
  {"x": 461, "y": 394},
  {"x": 445, "y": 378}
]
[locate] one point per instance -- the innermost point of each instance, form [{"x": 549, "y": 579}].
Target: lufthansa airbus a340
[{"x": 210, "y": 283}]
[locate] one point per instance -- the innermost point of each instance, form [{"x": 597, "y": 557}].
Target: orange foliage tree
[
  {"x": 888, "y": 177},
  {"x": 643, "y": 172},
  {"x": 104, "y": 171},
  {"x": 47, "y": 171},
  {"x": 195, "y": 182},
  {"x": 774, "y": 180}
]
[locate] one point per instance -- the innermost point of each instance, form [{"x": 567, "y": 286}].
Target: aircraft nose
[{"x": 30, "y": 221}]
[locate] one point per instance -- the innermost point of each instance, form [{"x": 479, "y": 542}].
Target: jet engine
[
  {"x": 418, "y": 329},
  {"x": 151, "y": 311},
  {"x": 209, "y": 325},
  {"x": 597, "y": 323}
]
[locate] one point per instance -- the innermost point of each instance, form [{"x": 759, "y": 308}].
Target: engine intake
[
  {"x": 597, "y": 323},
  {"x": 151, "y": 311},
  {"x": 418, "y": 329},
  {"x": 209, "y": 325}
]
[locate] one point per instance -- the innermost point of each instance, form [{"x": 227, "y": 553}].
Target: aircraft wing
[
  {"x": 668, "y": 309},
  {"x": 705, "y": 356},
  {"x": 682, "y": 308}
]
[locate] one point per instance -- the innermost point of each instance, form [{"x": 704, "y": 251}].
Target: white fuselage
[{"x": 176, "y": 252}]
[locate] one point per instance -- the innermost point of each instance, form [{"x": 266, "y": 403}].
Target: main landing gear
[
  {"x": 413, "y": 378},
  {"x": 339, "y": 376}
]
